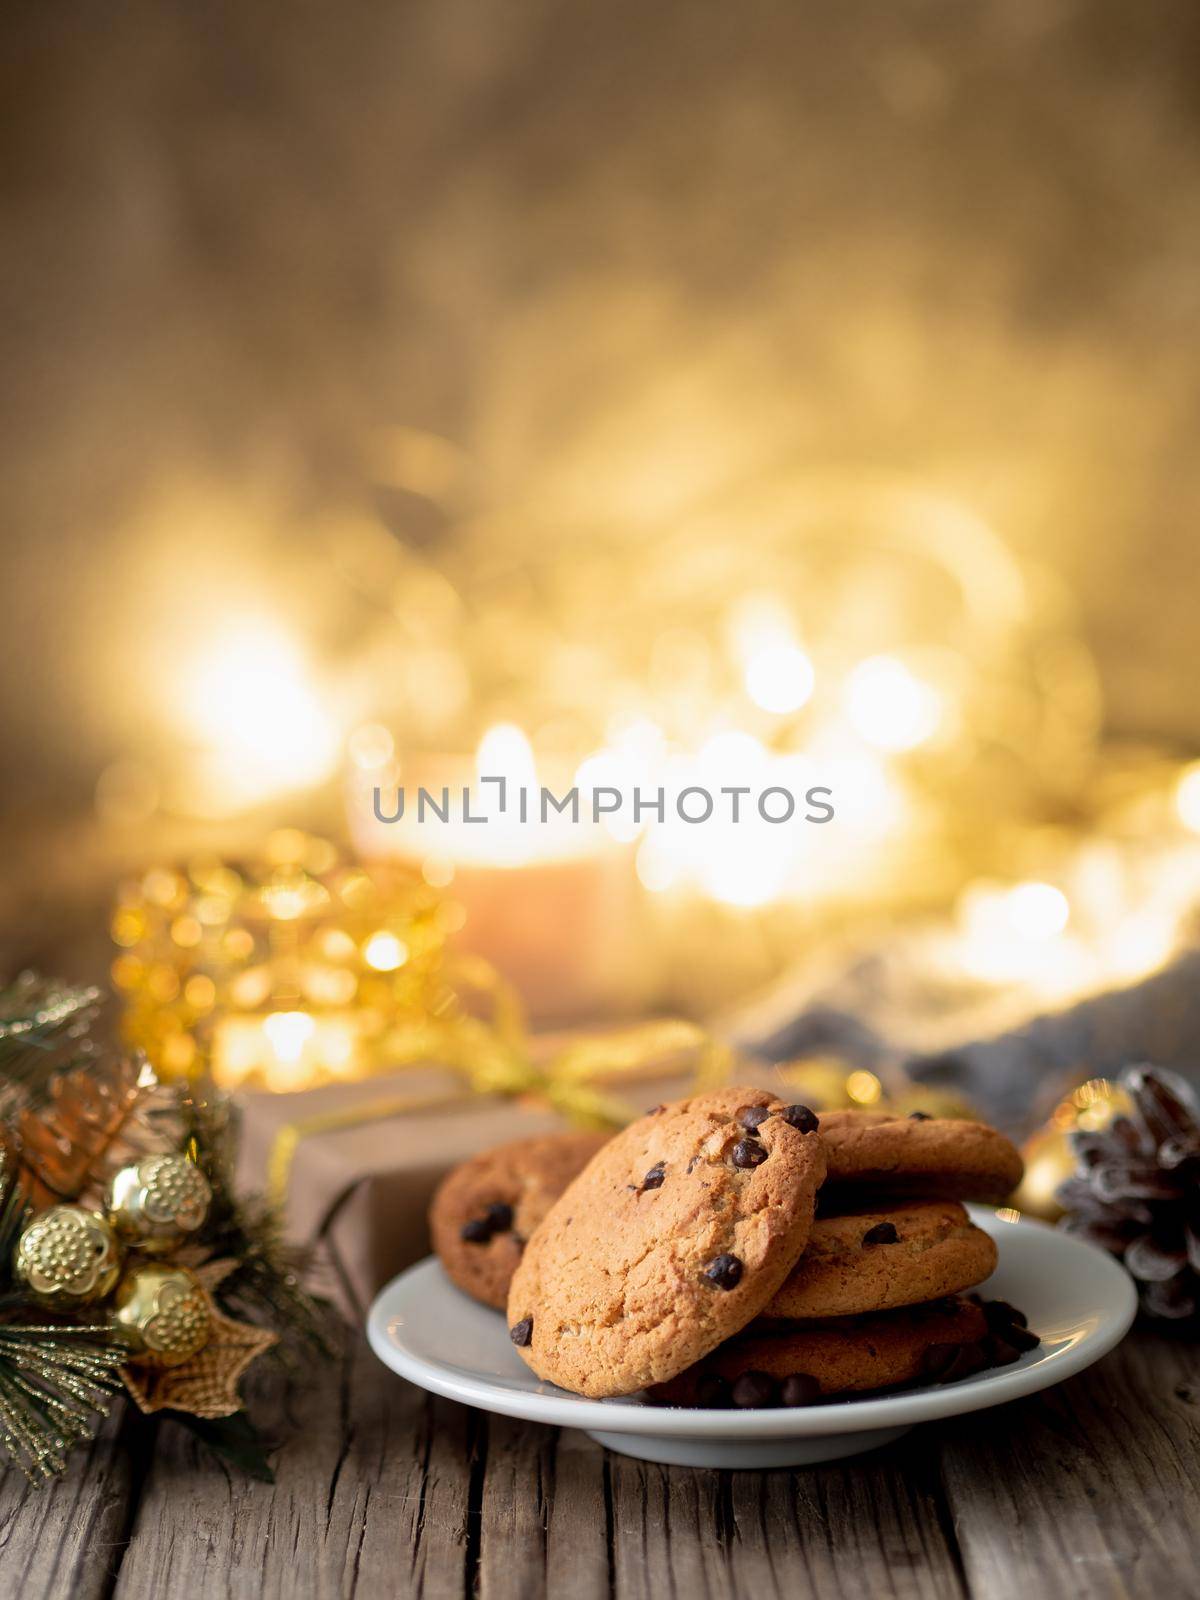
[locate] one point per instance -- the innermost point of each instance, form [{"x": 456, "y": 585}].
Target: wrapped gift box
[{"x": 355, "y": 1165}]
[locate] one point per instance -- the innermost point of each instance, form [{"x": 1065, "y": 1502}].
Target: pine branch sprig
[
  {"x": 267, "y": 1285},
  {"x": 56, "y": 1383}
]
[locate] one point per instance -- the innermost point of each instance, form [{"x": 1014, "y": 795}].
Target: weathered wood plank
[
  {"x": 873, "y": 1527},
  {"x": 384, "y": 1491},
  {"x": 667, "y": 1532},
  {"x": 65, "y": 1540},
  {"x": 542, "y": 1515},
  {"x": 1090, "y": 1488},
  {"x": 371, "y": 1499}
]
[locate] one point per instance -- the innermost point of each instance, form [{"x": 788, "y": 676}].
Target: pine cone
[{"x": 1136, "y": 1190}]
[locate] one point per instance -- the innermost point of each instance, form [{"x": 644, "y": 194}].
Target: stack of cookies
[{"x": 733, "y": 1250}]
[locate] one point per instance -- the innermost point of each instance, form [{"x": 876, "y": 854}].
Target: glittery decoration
[
  {"x": 206, "y": 1383},
  {"x": 158, "y": 1201},
  {"x": 68, "y": 1256},
  {"x": 55, "y": 1382},
  {"x": 164, "y": 1313}
]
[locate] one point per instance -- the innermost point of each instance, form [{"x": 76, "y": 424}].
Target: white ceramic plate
[{"x": 1076, "y": 1298}]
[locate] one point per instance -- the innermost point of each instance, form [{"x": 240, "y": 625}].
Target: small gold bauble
[
  {"x": 1049, "y": 1158},
  {"x": 67, "y": 1256},
  {"x": 163, "y": 1311},
  {"x": 1049, "y": 1162},
  {"x": 156, "y": 1202}
]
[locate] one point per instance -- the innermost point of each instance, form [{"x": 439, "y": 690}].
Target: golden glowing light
[
  {"x": 1017, "y": 933},
  {"x": 634, "y": 758},
  {"x": 864, "y": 1088},
  {"x": 385, "y": 952},
  {"x": 889, "y": 706},
  {"x": 1038, "y": 910},
  {"x": 288, "y": 1032},
  {"x": 779, "y": 678},
  {"x": 248, "y": 700},
  {"x": 1187, "y": 796},
  {"x": 656, "y": 869},
  {"x": 187, "y": 932},
  {"x": 777, "y": 674},
  {"x": 1140, "y": 944},
  {"x": 371, "y": 747},
  {"x": 746, "y": 863},
  {"x": 284, "y": 1050},
  {"x": 505, "y": 751}
]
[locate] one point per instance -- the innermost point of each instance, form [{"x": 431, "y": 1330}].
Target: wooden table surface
[{"x": 383, "y": 1492}]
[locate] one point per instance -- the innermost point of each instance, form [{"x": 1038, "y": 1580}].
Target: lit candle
[{"x": 547, "y": 895}]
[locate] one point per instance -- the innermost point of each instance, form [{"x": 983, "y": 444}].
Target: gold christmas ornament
[
  {"x": 165, "y": 1313},
  {"x": 206, "y": 1383},
  {"x": 156, "y": 1202},
  {"x": 68, "y": 1256},
  {"x": 1049, "y": 1159}
]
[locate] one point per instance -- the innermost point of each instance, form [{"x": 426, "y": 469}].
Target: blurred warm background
[{"x": 691, "y": 389}]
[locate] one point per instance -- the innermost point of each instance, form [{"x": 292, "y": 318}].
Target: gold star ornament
[{"x": 206, "y": 1383}]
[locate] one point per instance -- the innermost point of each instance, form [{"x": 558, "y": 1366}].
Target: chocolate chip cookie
[
  {"x": 876, "y": 1260},
  {"x": 935, "y": 1157},
  {"x": 675, "y": 1236},
  {"x": 484, "y": 1210},
  {"x": 854, "y": 1356}
]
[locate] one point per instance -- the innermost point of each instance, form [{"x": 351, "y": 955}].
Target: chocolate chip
[
  {"x": 693, "y": 1164},
  {"x": 936, "y": 1360},
  {"x": 521, "y": 1333},
  {"x": 919, "y": 1116},
  {"x": 713, "y": 1391},
  {"x": 800, "y": 1118},
  {"x": 800, "y": 1389},
  {"x": 1021, "y": 1338},
  {"x": 751, "y": 1117},
  {"x": 968, "y": 1360},
  {"x": 500, "y": 1216},
  {"x": 881, "y": 1233},
  {"x": 999, "y": 1352},
  {"x": 477, "y": 1231},
  {"x": 654, "y": 1110},
  {"x": 654, "y": 1178},
  {"x": 1000, "y": 1315},
  {"x": 754, "y": 1390},
  {"x": 724, "y": 1271},
  {"x": 947, "y": 1363},
  {"x": 748, "y": 1153},
  {"x": 1009, "y": 1324}
]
